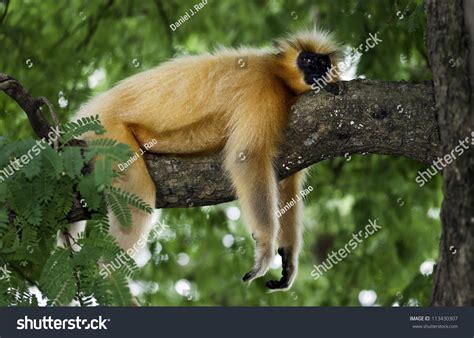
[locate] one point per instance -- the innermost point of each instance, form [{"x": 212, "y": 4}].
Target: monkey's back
[{"x": 185, "y": 103}]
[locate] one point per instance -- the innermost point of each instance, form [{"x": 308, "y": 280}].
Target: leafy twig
[
  {"x": 68, "y": 237},
  {"x": 54, "y": 116}
]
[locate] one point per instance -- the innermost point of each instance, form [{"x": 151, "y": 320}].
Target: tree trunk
[{"x": 452, "y": 66}]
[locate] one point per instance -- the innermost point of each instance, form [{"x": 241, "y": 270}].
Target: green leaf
[
  {"x": 81, "y": 126},
  {"x": 117, "y": 282},
  {"x": 57, "y": 279},
  {"x": 33, "y": 168},
  {"x": 88, "y": 190},
  {"x": 131, "y": 199},
  {"x": 23, "y": 200},
  {"x": 47, "y": 188},
  {"x": 118, "y": 152},
  {"x": 73, "y": 161},
  {"x": 3, "y": 219},
  {"x": 52, "y": 162},
  {"x": 3, "y": 191},
  {"x": 103, "y": 172},
  {"x": 119, "y": 208}
]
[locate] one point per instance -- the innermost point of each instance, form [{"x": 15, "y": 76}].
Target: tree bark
[
  {"x": 450, "y": 52},
  {"x": 30, "y": 105},
  {"x": 361, "y": 116}
]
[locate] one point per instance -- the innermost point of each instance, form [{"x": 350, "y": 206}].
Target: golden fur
[{"x": 208, "y": 103}]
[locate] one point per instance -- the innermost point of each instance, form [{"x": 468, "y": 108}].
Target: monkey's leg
[
  {"x": 256, "y": 187},
  {"x": 136, "y": 180},
  {"x": 291, "y": 228}
]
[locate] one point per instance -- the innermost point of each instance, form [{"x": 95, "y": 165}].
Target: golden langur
[{"x": 214, "y": 103}]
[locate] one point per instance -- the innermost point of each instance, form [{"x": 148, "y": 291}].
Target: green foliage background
[{"x": 53, "y": 48}]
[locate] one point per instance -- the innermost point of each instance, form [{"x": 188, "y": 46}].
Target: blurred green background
[{"x": 69, "y": 51}]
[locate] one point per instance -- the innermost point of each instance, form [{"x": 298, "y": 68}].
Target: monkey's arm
[
  {"x": 256, "y": 186},
  {"x": 255, "y": 128}
]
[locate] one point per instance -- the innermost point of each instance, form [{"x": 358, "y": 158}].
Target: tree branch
[
  {"x": 394, "y": 118},
  {"x": 28, "y": 103},
  {"x": 361, "y": 116}
]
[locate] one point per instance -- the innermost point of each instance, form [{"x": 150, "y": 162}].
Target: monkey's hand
[
  {"x": 263, "y": 258},
  {"x": 288, "y": 274}
]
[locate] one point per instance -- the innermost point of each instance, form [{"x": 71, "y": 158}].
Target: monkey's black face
[{"x": 314, "y": 66}]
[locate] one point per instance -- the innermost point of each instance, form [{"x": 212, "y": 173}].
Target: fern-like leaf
[
  {"x": 57, "y": 279},
  {"x": 80, "y": 127},
  {"x": 118, "y": 152},
  {"x": 120, "y": 209},
  {"x": 131, "y": 199},
  {"x": 73, "y": 161}
]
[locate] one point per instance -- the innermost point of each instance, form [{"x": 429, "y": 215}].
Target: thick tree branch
[{"x": 395, "y": 118}]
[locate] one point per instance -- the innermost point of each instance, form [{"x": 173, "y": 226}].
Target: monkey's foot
[
  {"x": 288, "y": 272},
  {"x": 262, "y": 263}
]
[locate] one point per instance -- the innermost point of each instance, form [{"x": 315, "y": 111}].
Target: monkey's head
[{"x": 309, "y": 58}]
